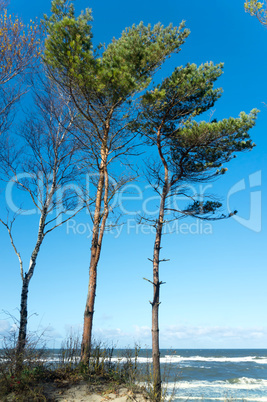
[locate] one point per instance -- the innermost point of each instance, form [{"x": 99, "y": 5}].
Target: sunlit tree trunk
[{"x": 100, "y": 219}]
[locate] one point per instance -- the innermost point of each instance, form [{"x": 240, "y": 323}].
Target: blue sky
[{"x": 215, "y": 293}]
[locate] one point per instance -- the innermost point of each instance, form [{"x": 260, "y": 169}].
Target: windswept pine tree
[
  {"x": 103, "y": 83},
  {"x": 189, "y": 151}
]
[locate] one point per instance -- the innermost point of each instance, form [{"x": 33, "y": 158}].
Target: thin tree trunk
[
  {"x": 97, "y": 237},
  {"x": 89, "y": 309},
  {"x": 157, "y": 389},
  {"x": 155, "y": 304},
  {"x": 21, "y": 342},
  {"x": 155, "y": 344}
]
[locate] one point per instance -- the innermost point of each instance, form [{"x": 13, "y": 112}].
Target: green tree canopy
[
  {"x": 114, "y": 72},
  {"x": 103, "y": 83},
  {"x": 257, "y": 9},
  {"x": 189, "y": 150},
  {"x": 194, "y": 150}
]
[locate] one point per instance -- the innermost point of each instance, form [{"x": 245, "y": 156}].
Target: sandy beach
[{"x": 84, "y": 392}]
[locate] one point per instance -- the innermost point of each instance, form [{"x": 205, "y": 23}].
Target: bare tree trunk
[
  {"x": 21, "y": 342},
  {"x": 155, "y": 304},
  {"x": 98, "y": 232},
  {"x": 155, "y": 342},
  {"x": 157, "y": 389},
  {"x": 90, "y": 301},
  {"x": 89, "y": 307}
]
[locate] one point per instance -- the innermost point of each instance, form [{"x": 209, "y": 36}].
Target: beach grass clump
[
  {"x": 23, "y": 384},
  {"x": 39, "y": 374}
]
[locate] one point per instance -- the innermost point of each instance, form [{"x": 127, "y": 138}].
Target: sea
[
  {"x": 215, "y": 375},
  {"x": 202, "y": 374},
  {"x": 206, "y": 374}
]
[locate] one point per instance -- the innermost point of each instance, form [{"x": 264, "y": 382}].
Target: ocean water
[
  {"x": 214, "y": 375},
  {"x": 205, "y": 374}
]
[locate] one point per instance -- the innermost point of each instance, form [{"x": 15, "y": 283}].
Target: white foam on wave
[
  {"x": 242, "y": 389},
  {"x": 222, "y": 359},
  {"x": 132, "y": 359},
  {"x": 176, "y": 359},
  {"x": 242, "y": 383}
]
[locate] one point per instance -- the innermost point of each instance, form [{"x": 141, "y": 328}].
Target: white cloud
[
  {"x": 173, "y": 336},
  {"x": 121, "y": 338},
  {"x": 143, "y": 332},
  {"x": 115, "y": 335},
  {"x": 186, "y": 336},
  {"x": 4, "y": 327},
  {"x": 210, "y": 336}
]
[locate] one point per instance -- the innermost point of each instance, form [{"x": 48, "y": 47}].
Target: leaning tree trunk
[{"x": 98, "y": 232}]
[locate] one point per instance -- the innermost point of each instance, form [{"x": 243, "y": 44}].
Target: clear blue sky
[{"x": 215, "y": 293}]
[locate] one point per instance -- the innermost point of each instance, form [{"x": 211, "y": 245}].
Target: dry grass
[{"x": 39, "y": 378}]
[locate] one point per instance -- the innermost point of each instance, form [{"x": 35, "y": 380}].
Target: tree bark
[
  {"x": 155, "y": 304},
  {"x": 97, "y": 237},
  {"x": 155, "y": 344},
  {"x": 157, "y": 389},
  {"x": 89, "y": 307},
  {"x": 21, "y": 342}
]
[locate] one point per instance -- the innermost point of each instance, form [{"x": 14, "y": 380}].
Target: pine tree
[
  {"x": 189, "y": 151},
  {"x": 103, "y": 83}
]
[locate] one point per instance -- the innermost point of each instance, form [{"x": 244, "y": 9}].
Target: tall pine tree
[
  {"x": 189, "y": 151},
  {"x": 103, "y": 84}
]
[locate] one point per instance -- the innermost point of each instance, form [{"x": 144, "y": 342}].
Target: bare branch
[
  {"x": 9, "y": 229},
  {"x": 64, "y": 221}
]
